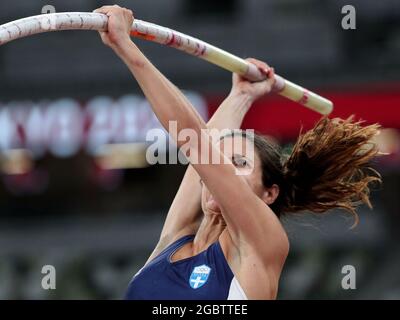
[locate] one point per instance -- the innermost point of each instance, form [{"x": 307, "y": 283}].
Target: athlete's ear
[{"x": 270, "y": 194}]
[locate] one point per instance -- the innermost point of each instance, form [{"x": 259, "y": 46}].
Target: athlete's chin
[{"x": 213, "y": 208}]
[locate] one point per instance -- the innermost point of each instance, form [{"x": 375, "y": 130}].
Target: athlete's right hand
[{"x": 119, "y": 25}]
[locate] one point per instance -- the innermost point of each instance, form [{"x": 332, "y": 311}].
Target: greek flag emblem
[{"x": 199, "y": 276}]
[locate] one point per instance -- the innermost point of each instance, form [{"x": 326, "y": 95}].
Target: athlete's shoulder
[{"x": 166, "y": 242}]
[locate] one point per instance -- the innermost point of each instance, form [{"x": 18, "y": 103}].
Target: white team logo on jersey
[{"x": 199, "y": 276}]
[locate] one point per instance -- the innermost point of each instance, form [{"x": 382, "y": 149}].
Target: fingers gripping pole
[{"x": 152, "y": 32}]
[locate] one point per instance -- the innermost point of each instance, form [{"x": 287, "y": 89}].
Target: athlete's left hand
[{"x": 254, "y": 90}]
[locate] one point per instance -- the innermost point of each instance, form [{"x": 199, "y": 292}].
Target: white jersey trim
[{"x": 235, "y": 291}]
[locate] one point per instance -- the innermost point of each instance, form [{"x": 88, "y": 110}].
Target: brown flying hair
[{"x": 329, "y": 167}]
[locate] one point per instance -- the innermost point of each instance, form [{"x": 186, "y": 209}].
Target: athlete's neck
[{"x": 209, "y": 231}]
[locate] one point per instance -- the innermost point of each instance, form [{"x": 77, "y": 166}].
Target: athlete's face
[{"x": 240, "y": 151}]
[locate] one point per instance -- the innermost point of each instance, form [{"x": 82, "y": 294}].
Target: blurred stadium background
[{"x": 95, "y": 214}]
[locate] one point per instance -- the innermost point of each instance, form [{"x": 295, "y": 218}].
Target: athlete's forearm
[
  {"x": 167, "y": 102},
  {"x": 231, "y": 112}
]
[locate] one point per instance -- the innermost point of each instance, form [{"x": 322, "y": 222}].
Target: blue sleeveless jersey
[{"x": 206, "y": 276}]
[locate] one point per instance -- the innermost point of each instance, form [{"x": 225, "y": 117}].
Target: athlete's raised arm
[{"x": 185, "y": 213}]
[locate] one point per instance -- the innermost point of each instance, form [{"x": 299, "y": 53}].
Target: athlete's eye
[{"x": 239, "y": 162}]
